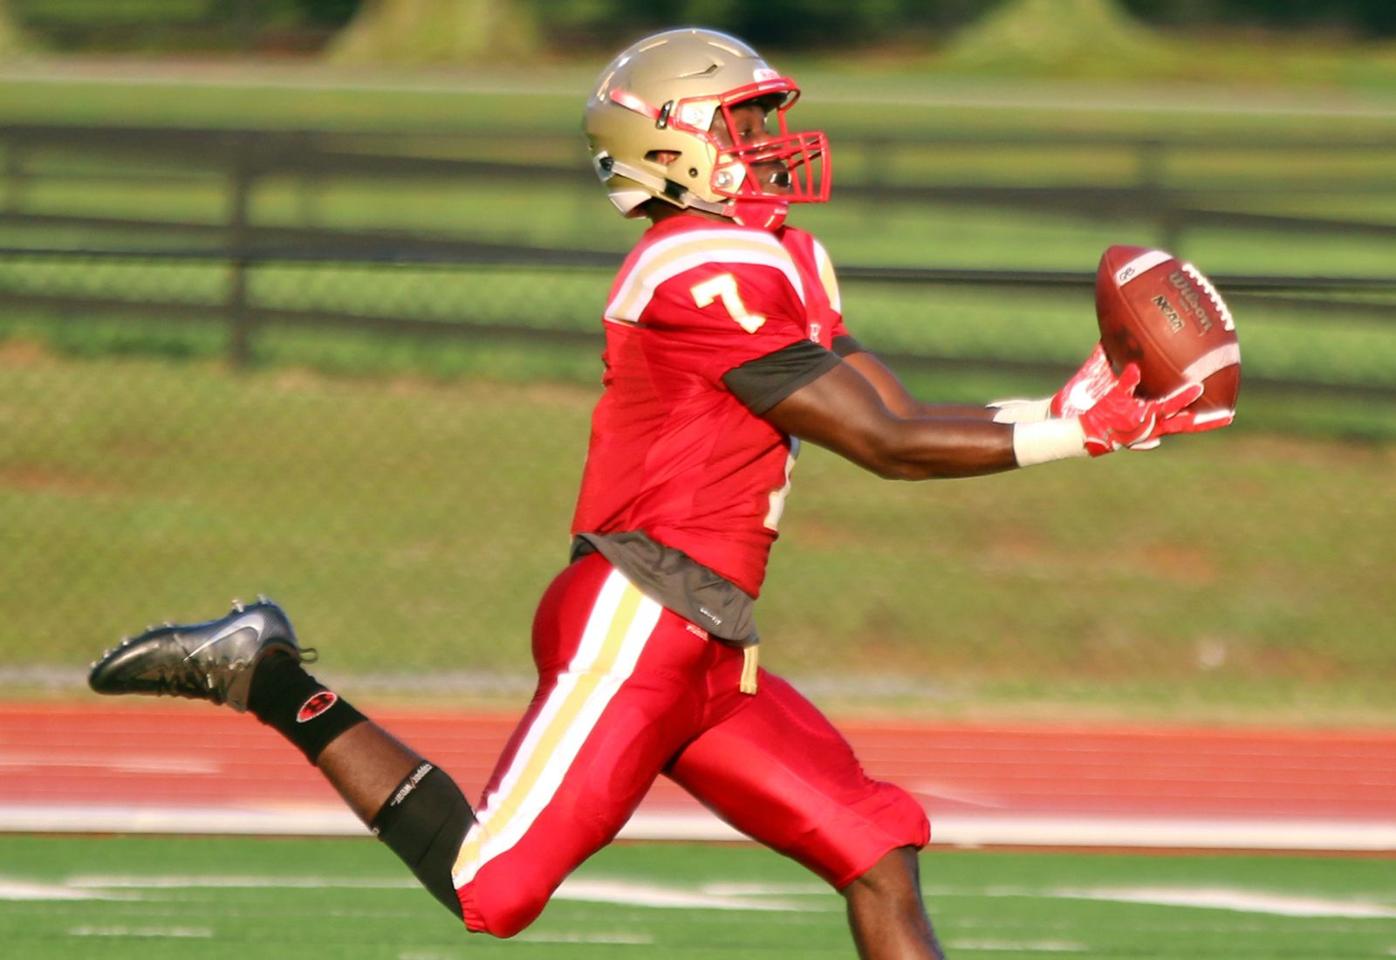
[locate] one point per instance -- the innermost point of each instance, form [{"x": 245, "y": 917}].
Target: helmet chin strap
[{"x": 763, "y": 213}]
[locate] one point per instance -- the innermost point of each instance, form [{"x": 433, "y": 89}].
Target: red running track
[{"x": 183, "y": 766}]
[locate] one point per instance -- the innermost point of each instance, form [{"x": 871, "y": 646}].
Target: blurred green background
[{"x": 301, "y": 297}]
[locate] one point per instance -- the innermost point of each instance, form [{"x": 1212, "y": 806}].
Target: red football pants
[{"x": 628, "y": 690}]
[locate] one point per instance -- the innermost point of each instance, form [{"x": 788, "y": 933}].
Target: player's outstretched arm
[
  {"x": 899, "y": 400},
  {"x": 843, "y": 411},
  {"x": 1081, "y": 391}
]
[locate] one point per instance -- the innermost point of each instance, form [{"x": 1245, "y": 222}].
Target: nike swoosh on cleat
[{"x": 227, "y": 632}]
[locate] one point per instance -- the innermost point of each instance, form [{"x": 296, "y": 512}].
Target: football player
[{"x": 725, "y": 349}]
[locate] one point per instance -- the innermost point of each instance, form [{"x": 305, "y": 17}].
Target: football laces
[{"x": 1222, "y": 309}]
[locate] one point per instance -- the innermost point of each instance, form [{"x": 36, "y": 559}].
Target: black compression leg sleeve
[{"x": 424, "y": 822}]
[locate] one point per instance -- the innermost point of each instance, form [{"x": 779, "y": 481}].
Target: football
[{"x": 1164, "y": 314}]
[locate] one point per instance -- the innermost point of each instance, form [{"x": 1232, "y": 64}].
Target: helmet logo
[
  {"x": 764, "y": 73},
  {"x": 697, "y": 115},
  {"x": 729, "y": 177}
]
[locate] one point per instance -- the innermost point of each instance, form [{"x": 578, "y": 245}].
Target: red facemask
[
  {"x": 761, "y": 175},
  {"x": 765, "y": 174}
]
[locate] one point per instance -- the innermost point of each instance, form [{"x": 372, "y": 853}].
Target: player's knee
[
  {"x": 892, "y": 881},
  {"x": 502, "y": 913},
  {"x": 906, "y": 820},
  {"x": 516, "y": 915}
]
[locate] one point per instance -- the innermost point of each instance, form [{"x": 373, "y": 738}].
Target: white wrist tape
[
  {"x": 1021, "y": 411},
  {"x": 1046, "y": 440}
]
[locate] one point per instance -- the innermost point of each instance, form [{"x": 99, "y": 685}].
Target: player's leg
[
  {"x": 776, "y": 769},
  {"x": 620, "y": 690},
  {"x": 886, "y": 911},
  {"x": 251, "y": 661}
]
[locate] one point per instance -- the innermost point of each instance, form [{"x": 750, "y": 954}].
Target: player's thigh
[
  {"x": 613, "y": 704},
  {"x": 780, "y": 772}
]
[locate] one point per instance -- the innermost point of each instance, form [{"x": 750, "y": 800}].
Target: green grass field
[
  {"x": 1156, "y": 585},
  {"x": 399, "y": 481},
  {"x": 127, "y": 897}
]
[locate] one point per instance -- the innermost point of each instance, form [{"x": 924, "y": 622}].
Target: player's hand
[
  {"x": 1119, "y": 419},
  {"x": 1081, "y": 392},
  {"x": 1086, "y": 387}
]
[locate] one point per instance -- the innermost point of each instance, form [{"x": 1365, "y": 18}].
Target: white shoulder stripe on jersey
[
  {"x": 671, "y": 257},
  {"x": 628, "y": 308},
  {"x": 827, "y": 277},
  {"x": 714, "y": 237}
]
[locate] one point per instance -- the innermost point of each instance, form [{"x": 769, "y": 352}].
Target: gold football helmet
[{"x": 681, "y": 116}]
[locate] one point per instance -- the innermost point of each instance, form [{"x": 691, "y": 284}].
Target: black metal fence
[
  {"x": 422, "y": 489},
  {"x": 174, "y": 25},
  {"x": 67, "y": 216}
]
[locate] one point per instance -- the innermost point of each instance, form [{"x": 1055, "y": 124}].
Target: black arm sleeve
[{"x": 766, "y": 381}]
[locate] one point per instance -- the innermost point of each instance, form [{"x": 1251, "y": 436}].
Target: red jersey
[{"x": 674, "y": 454}]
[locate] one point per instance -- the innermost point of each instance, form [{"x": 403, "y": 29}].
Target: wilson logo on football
[{"x": 316, "y": 705}]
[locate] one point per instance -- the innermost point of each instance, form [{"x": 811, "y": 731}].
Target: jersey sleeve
[
  {"x": 766, "y": 381},
  {"x": 829, "y": 280}
]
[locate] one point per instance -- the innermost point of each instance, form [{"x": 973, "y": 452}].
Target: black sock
[{"x": 299, "y": 707}]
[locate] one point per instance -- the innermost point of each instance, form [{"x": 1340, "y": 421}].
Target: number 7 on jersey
[{"x": 724, "y": 287}]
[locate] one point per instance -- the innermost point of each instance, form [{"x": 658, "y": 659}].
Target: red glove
[
  {"x": 1120, "y": 419},
  {"x": 1079, "y": 394},
  {"x": 1094, "y": 380}
]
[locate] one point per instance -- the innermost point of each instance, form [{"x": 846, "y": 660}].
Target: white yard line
[
  {"x": 584, "y": 890},
  {"x": 651, "y": 895},
  {"x": 1243, "y": 901},
  {"x": 1014, "y": 946},
  {"x": 11, "y": 889},
  {"x": 610, "y": 939},
  {"x": 958, "y": 829},
  {"x": 179, "y": 933},
  {"x": 725, "y": 896}
]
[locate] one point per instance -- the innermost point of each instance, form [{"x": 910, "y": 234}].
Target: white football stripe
[
  {"x": 1139, "y": 265},
  {"x": 1212, "y": 416},
  {"x": 1219, "y": 358}
]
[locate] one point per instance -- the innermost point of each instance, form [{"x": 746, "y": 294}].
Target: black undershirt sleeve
[
  {"x": 845, "y": 345},
  {"x": 766, "y": 381}
]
